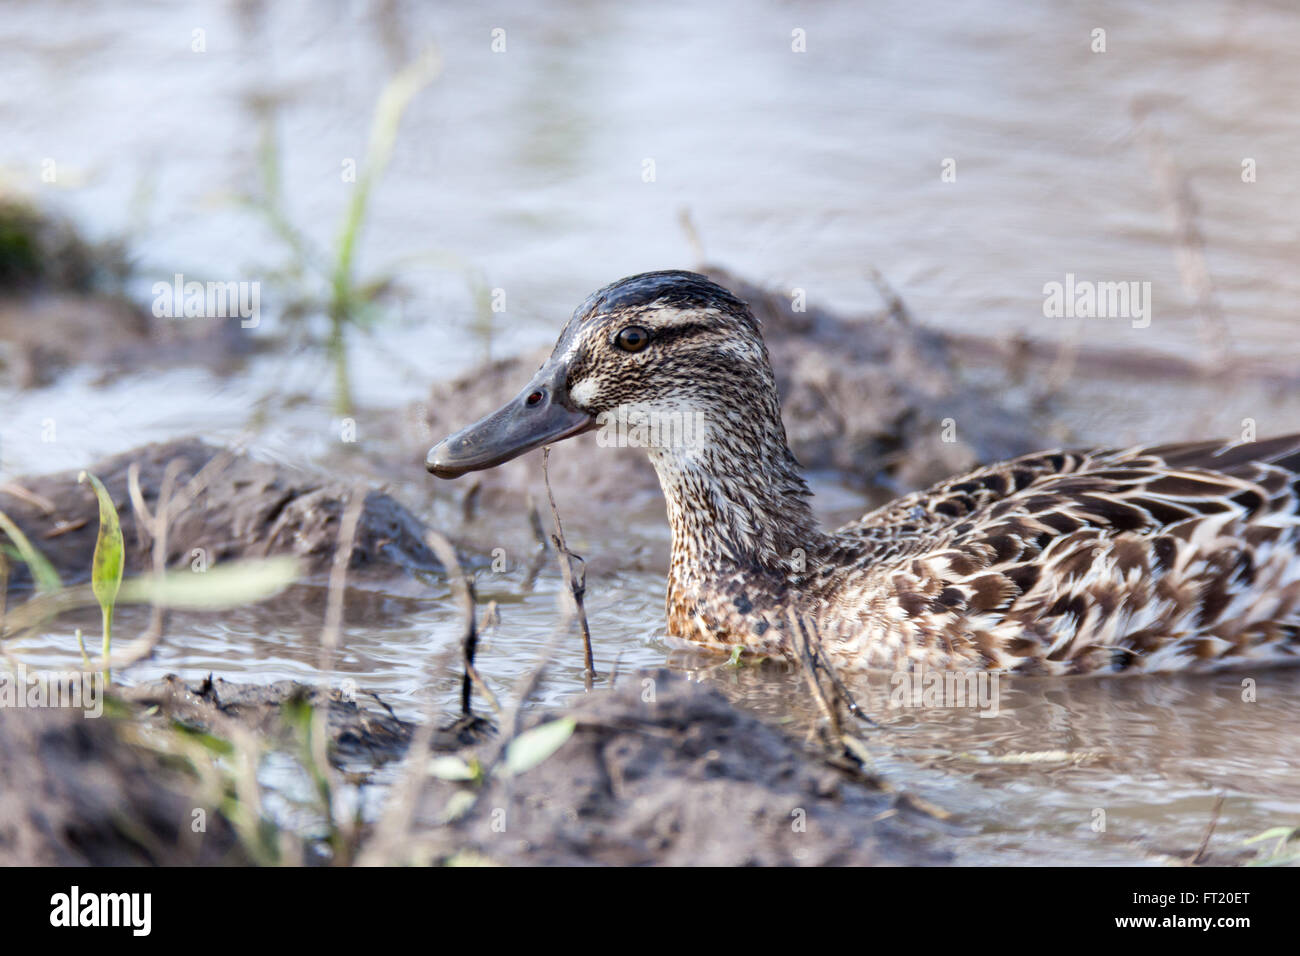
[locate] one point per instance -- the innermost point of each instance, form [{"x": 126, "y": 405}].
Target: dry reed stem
[
  {"x": 440, "y": 546},
  {"x": 1199, "y": 856},
  {"x": 806, "y": 641},
  {"x": 1189, "y": 241},
  {"x": 577, "y": 584}
]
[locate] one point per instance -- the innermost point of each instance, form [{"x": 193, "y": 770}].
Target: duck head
[
  {"x": 669, "y": 351},
  {"x": 674, "y": 363}
]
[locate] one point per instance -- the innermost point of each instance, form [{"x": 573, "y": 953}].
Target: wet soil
[
  {"x": 73, "y": 792},
  {"x": 658, "y": 771},
  {"x": 63, "y": 304},
  {"x": 238, "y": 507},
  {"x": 664, "y": 771},
  {"x": 359, "y": 725}
]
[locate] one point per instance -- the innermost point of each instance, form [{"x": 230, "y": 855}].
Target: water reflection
[{"x": 1078, "y": 771}]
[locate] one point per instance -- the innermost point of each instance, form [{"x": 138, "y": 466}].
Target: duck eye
[{"x": 632, "y": 339}]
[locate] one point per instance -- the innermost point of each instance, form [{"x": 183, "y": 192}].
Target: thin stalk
[
  {"x": 108, "y": 643},
  {"x": 339, "y": 357}
]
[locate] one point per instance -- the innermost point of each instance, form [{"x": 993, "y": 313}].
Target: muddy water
[{"x": 524, "y": 171}]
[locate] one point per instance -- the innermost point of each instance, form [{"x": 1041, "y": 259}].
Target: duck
[{"x": 1161, "y": 557}]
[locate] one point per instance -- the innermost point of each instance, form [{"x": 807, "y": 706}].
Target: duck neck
[{"x": 736, "y": 501}]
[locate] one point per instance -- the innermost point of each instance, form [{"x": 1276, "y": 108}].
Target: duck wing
[{"x": 1156, "y": 557}]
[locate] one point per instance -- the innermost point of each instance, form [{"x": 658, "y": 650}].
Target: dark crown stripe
[{"x": 675, "y": 333}]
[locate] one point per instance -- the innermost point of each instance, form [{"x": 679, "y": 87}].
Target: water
[{"x": 525, "y": 171}]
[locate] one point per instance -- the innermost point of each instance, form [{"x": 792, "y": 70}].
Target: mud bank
[
  {"x": 659, "y": 771},
  {"x": 229, "y": 506},
  {"x": 358, "y": 725},
  {"x": 73, "y": 792},
  {"x": 63, "y": 303},
  {"x": 662, "y": 771},
  {"x": 877, "y": 400}
]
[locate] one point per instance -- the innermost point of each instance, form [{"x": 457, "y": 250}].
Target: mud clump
[
  {"x": 239, "y": 507},
  {"x": 73, "y": 792},
  {"x": 682, "y": 778},
  {"x": 44, "y": 334},
  {"x": 359, "y": 725},
  {"x": 77, "y": 791},
  {"x": 63, "y": 303},
  {"x": 43, "y": 251}
]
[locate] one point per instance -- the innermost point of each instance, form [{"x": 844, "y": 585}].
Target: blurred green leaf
[
  {"x": 46, "y": 578},
  {"x": 110, "y": 551},
  {"x": 533, "y": 746},
  {"x": 1276, "y": 833},
  {"x": 1284, "y": 851},
  {"x": 108, "y": 561},
  {"x": 225, "y": 585},
  {"x": 209, "y": 741},
  {"x": 450, "y": 768},
  {"x": 458, "y": 805}
]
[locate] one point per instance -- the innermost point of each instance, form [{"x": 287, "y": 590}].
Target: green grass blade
[
  {"x": 110, "y": 550},
  {"x": 228, "y": 585},
  {"x": 109, "y": 560},
  {"x": 222, "y": 586},
  {"x": 43, "y": 573}
]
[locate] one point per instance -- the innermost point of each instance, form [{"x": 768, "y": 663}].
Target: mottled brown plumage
[{"x": 1172, "y": 557}]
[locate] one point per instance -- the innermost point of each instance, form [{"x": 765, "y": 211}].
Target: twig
[
  {"x": 158, "y": 531},
  {"x": 1199, "y": 855},
  {"x": 535, "y": 522},
  {"x": 687, "y": 222},
  {"x": 347, "y": 833},
  {"x": 144, "y": 517},
  {"x": 1189, "y": 242},
  {"x": 536, "y": 562},
  {"x": 803, "y": 649},
  {"x": 898, "y": 310},
  {"x": 346, "y": 541},
  {"x": 18, "y": 491},
  {"x": 577, "y": 585},
  {"x": 807, "y": 645},
  {"x": 392, "y": 842},
  {"x": 515, "y": 723},
  {"x": 469, "y": 643}
]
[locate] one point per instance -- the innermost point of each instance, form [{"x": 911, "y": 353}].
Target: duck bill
[{"x": 539, "y": 415}]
